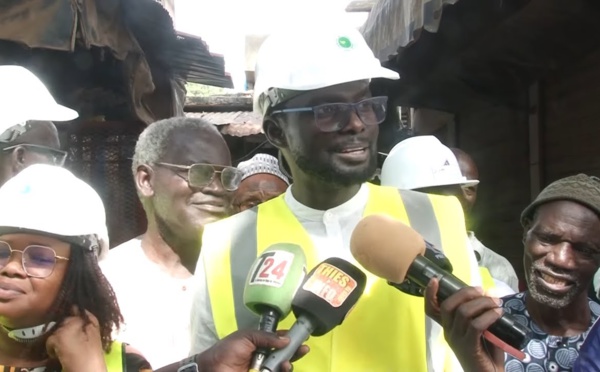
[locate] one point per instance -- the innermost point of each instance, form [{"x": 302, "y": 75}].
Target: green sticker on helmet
[{"x": 344, "y": 42}]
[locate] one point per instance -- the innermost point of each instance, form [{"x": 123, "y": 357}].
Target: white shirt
[
  {"x": 500, "y": 269},
  {"x": 330, "y": 231},
  {"x": 155, "y": 306}
]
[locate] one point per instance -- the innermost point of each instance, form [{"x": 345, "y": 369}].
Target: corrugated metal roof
[
  {"x": 237, "y": 124},
  {"x": 184, "y": 55},
  {"x": 394, "y": 24}
]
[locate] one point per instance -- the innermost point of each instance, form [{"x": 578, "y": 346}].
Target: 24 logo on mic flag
[{"x": 272, "y": 268}]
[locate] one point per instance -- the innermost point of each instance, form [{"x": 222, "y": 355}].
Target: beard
[
  {"x": 330, "y": 174},
  {"x": 540, "y": 294}
]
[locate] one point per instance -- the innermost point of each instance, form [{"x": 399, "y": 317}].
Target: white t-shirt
[
  {"x": 330, "y": 231},
  {"x": 155, "y": 305}
]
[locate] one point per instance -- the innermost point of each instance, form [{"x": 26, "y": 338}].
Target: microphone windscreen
[
  {"x": 385, "y": 246},
  {"x": 274, "y": 278},
  {"x": 328, "y": 293}
]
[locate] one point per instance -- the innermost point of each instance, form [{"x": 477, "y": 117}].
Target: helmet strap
[{"x": 29, "y": 334}]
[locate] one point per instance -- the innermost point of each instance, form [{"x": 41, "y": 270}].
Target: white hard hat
[
  {"x": 313, "y": 57},
  {"x": 48, "y": 199},
  {"x": 422, "y": 161},
  {"x": 24, "y": 97}
]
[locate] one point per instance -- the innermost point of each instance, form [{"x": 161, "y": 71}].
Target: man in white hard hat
[
  {"x": 424, "y": 164},
  {"x": 499, "y": 266},
  {"x": 27, "y": 134},
  {"x": 313, "y": 91},
  {"x": 262, "y": 180}
]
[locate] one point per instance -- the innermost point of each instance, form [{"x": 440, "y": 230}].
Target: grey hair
[{"x": 154, "y": 140}]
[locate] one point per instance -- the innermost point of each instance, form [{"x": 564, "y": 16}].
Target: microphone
[
  {"x": 323, "y": 301},
  {"x": 271, "y": 285},
  {"x": 393, "y": 251}
]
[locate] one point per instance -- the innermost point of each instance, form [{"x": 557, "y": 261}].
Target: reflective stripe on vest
[{"x": 386, "y": 330}]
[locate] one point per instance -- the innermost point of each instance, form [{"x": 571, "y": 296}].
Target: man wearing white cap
[
  {"x": 313, "y": 91},
  {"x": 424, "y": 164},
  {"x": 262, "y": 181},
  {"x": 27, "y": 134}
]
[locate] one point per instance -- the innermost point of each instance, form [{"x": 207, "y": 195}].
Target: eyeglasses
[
  {"x": 38, "y": 261},
  {"x": 56, "y": 157},
  {"x": 331, "y": 117},
  {"x": 200, "y": 175}
]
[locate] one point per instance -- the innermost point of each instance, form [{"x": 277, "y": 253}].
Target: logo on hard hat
[{"x": 344, "y": 42}]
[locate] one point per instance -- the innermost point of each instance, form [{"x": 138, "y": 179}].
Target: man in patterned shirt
[{"x": 562, "y": 253}]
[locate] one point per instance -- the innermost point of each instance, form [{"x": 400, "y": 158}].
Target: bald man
[{"x": 498, "y": 266}]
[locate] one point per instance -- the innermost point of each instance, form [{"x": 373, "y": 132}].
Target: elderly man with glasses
[
  {"x": 27, "y": 134},
  {"x": 183, "y": 175}
]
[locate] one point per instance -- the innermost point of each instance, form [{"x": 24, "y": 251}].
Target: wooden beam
[
  {"x": 535, "y": 149},
  {"x": 361, "y": 6},
  {"x": 230, "y": 102}
]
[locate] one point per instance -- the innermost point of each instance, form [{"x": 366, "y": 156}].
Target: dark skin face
[
  {"x": 257, "y": 189},
  {"x": 328, "y": 168},
  {"x": 42, "y": 133},
  {"x": 562, "y": 253},
  {"x": 26, "y": 301},
  {"x": 470, "y": 171},
  {"x": 176, "y": 209}
]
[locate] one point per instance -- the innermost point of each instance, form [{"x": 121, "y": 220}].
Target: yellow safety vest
[
  {"x": 487, "y": 281},
  {"x": 386, "y": 329},
  {"x": 115, "y": 360}
]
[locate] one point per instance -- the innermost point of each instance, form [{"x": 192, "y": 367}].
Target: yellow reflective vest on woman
[{"x": 386, "y": 331}]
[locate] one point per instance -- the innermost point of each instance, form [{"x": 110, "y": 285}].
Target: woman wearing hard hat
[{"x": 57, "y": 311}]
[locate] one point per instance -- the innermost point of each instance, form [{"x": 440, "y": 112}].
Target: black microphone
[
  {"x": 393, "y": 251},
  {"x": 321, "y": 303},
  {"x": 412, "y": 288}
]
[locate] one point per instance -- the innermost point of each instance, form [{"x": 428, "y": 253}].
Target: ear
[
  {"x": 144, "y": 180},
  {"x": 18, "y": 159},
  {"x": 274, "y": 133}
]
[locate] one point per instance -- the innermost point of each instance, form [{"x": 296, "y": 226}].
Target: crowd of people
[{"x": 172, "y": 298}]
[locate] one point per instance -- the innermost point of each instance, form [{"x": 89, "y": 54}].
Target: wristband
[{"x": 188, "y": 365}]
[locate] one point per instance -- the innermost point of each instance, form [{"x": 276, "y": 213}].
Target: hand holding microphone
[
  {"x": 393, "y": 251},
  {"x": 272, "y": 283},
  {"x": 323, "y": 301}
]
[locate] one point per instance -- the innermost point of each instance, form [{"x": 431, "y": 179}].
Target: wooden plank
[
  {"x": 535, "y": 152},
  {"x": 361, "y": 6},
  {"x": 221, "y": 103}
]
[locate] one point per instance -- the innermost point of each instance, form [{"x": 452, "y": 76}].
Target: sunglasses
[
  {"x": 56, "y": 157},
  {"x": 201, "y": 175},
  {"x": 331, "y": 117},
  {"x": 38, "y": 261}
]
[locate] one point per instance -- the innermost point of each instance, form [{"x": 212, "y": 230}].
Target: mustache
[
  {"x": 554, "y": 271},
  {"x": 353, "y": 143}
]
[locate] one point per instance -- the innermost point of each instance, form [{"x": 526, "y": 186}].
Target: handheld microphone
[
  {"x": 271, "y": 285},
  {"x": 393, "y": 251},
  {"x": 323, "y": 301}
]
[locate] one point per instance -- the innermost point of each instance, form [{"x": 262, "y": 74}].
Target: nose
[
  {"x": 355, "y": 124},
  {"x": 215, "y": 187},
  {"x": 14, "y": 266},
  {"x": 562, "y": 256}
]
